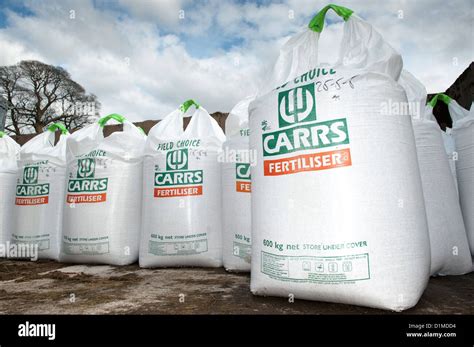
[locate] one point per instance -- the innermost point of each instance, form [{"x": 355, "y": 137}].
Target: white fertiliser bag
[
  {"x": 9, "y": 152},
  {"x": 463, "y": 132},
  {"x": 102, "y": 212},
  {"x": 182, "y": 205},
  {"x": 449, "y": 247},
  {"x": 236, "y": 189},
  {"x": 337, "y": 204},
  {"x": 39, "y": 195},
  {"x": 450, "y": 149}
]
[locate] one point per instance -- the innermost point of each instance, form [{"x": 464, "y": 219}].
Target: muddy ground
[{"x": 47, "y": 287}]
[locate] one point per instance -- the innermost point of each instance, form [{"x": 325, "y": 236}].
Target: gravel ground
[{"x": 47, "y": 287}]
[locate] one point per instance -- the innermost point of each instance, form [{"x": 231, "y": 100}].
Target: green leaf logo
[
  {"x": 30, "y": 175},
  {"x": 297, "y": 105},
  {"x": 86, "y": 168},
  {"x": 177, "y": 160}
]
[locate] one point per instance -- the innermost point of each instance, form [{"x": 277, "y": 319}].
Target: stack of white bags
[{"x": 450, "y": 253}]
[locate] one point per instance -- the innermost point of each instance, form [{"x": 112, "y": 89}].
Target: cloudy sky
[{"x": 142, "y": 58}]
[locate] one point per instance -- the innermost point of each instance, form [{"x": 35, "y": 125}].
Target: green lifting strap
[
  {"x": 317, "y": 23},
  {"x": 187, "y": 104},
  {"x": 443, "y": 97},
  {"x": 58, "y": 126},
  {"x": 119, "y": 118}
]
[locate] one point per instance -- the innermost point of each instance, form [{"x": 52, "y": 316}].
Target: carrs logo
[
  {"x": 86, "y": 168},
  {"x": 29, "y": 191},
  {"x": 177, "y": 180},
  {"x": 30, "y": 175},
  {"x": 85, "y": 188},
  {"x": 177, "y": 160},
  {"x": 300, "y": 131},
  {"x": 242, "y": 176},
  {"x": 296, "y": 105}
]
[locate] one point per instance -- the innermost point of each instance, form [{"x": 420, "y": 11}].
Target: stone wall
[
  {"x": 462, "y": 90},
  {"x": 220, "y": 117}
]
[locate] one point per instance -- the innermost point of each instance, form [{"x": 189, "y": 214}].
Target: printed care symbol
[
  {"x": 177, "y": 160},
  {"x": 297, "y": 105},
  {"x": 30, "y": 175},
  {"x": 347, "y": 266},
  {"x": 306, "y": 266},
  {"x": 332, "y": 267},
  {"x": 86, "y": 168},
  {"x": 319, "y": 267}
]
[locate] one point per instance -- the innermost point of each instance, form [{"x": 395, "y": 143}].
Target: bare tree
[
  {"x": 9, "y": 88},
  {"x": 38, "y": 94}
]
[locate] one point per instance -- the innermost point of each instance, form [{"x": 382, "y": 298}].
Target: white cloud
[
  {"x": 164, "y": 12},
  {"x": 144, "y": 62},
  {"x": 12, "y": 50},
  {"x": 133, "y": 68}
]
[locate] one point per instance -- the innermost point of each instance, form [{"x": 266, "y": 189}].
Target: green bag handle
[
  {"x": 187, "y": 104},
  {"x": 58, "y": 126},
  {"x": 443, "y": 97},
  {"x": 317, "y": 23},
  {"x": 119, "y": 118},
  {"x": 2, "y": 134}
]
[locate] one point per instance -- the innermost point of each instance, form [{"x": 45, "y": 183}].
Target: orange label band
[
  {"x": 243, "y": 186},
  {"x": 308, "y": 162},
  {"x": 182, "y": 191},
  {"x": 86, "y": 198},
  {"x": 32, "y": 201}
]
